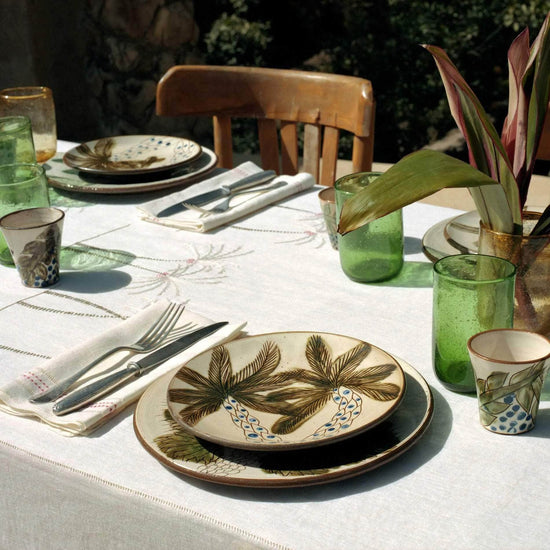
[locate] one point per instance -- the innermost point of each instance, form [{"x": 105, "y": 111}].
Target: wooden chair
[{"x": 281, "y": 100}]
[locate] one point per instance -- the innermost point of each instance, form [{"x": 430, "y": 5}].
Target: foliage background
[{"x": 379, "y": 40}]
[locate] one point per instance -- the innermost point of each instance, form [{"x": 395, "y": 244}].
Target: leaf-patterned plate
[
  {"x": 130, "y": 155},
  {"x": 62, "y": 177},
  {"x": 285, "y": 390},
  {"x": 182, "y": 452}
]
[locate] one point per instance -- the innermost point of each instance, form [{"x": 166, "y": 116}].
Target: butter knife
[
  {"x": 222, "y": 191},
  {"x": 90, "y": 392}
]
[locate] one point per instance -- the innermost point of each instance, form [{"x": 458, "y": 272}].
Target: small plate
[
  {"x": 69, "y": 179},
  {"x": 180, "y": 451},
  {"x": 285, "y": 390},
  {"x": 130, "y": 155}
]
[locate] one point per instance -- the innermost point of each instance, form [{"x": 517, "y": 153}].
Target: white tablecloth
[{"x": 458, "y": 487}]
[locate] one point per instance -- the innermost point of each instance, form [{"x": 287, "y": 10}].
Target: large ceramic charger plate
[
  {"x": 131, "y": 155},
  {"x": 182, "y": 452},
  {"x": 285, "y": 390},
  {"x": 62, "y": 177}
]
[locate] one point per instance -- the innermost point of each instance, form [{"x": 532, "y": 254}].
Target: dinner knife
[
  {"x": 90, "y": 392},
  {"x": 222, "y": 191}
]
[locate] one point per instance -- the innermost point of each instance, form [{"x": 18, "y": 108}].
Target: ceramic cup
[
  {"x": 327, "y": 199},
  {"x": 373, "y": 252},
  {"x": 21, "y": 186},
  {"x": 471, "y": 293},
  {"x": 35, "y": 102},
  {"x": 16, "y": 143},
  {"x": 510, "y": 366},
  {"x": 34, "y": 238}
]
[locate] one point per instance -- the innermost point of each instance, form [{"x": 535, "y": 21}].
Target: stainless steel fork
[
  {"x": 157, "y": 334},
  {"x": 224, "y": 205}
]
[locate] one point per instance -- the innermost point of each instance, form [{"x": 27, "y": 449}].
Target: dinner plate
[
  {"x": 69, "y": 179},
  {"x": 131, "y": 155},
  {"x": 456, "y": 235},
  {"x": 182, "y": 452},
  {"x": 285, "y": 390}
]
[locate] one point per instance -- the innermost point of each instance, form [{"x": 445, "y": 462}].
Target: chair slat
[
  {"x": 312, "y": 150},
  {"x": 223, "y": 145},
  {"x": 330, "y": 155},
  {"x": 269, "y": 146},
  {"x": 289, "y": 148}
]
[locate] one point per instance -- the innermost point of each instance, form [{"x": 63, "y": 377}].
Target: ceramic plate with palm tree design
[
  {"x": 131, "y": 155},
  {"x": 182, "y": 452},
  {"x": 285, "y": 390}
]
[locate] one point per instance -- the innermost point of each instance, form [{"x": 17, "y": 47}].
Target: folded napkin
[
  {"x": 14, "y": 397},
  {"x": 241, "y": 205}
]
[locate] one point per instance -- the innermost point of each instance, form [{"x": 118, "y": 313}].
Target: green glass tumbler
[
  {"x": 373, "y": 252},
  {"x": 16, "y": 141},
  {"x": 472, "y": 293},
  {"x": 21, "y": 186}
]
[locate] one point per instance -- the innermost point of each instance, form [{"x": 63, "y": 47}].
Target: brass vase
[{"x": 531, "y": 256}]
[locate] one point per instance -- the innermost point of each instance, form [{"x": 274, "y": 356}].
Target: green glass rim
[
  {"x": 441, "y": 268},
  {"x": 14, "y": 124},
  {"x": 358, "y": 177},
  {"x": 29, "y": 171}
]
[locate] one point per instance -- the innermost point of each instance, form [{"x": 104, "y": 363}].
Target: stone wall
[{"x": 102, "y": 59}]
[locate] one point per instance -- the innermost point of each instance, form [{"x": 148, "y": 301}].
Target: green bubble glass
[
  {"x": 16, "y": 141},
  {"x": 21, "y": 186},
  {"x": 373, "y": 252},
  {"x": 472, "y": 293}
]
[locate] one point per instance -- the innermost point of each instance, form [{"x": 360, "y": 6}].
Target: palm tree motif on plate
[
  {"x": 337, "y": 379},
  {"x": 235, "y": 392},
  {"x": 100, "y": 157},
  {"x": 257, "y": 386}
]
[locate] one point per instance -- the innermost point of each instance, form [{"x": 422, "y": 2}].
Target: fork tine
[
  {"x": 166, "y": 326},
  {"x": 154, "y": 327}
]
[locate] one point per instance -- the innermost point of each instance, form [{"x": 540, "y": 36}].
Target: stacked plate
[
  {"x": 284, "y": 409},
  {"x": 130, "y": 164}
]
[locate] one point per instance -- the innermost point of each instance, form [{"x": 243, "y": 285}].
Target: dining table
[{"x": 450, "y": 485}]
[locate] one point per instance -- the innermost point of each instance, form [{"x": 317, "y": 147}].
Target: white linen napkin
[
  {"x": 14, "y": 397},
  {"x": 241, "y": 205}
]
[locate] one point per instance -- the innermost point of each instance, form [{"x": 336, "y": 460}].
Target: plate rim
[
  {"x": 140, "y": 187},
  {"x": 296, "y": 446},
  {"x": 129, "y": 171},
  {"x": 283, "y": 482}
]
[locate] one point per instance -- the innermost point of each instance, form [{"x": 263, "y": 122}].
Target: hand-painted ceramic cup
[
  {"x": 510, "y": 366},
  {"x": 34, "y": 238},
  {"x": 327, "y": 200}
]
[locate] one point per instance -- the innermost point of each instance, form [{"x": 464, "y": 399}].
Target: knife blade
[
  {"x": 90, "y": 392},
  {"x": 222, "y": 191}
]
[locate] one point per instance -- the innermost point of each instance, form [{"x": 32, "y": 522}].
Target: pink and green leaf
[{"x": 413, "y": 178}]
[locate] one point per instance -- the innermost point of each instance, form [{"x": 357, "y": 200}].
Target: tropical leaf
[
  {"x": 37, "y": 255},
  {"x": 380, "y": 392},
  {"x": 543, "y": 225},
  {"x": 319, "y": 356},
  {"x": 193, "y": 378},
  {"x": 495, "y": 380},
  {"x": 345, "y": 364},
  {"x": 413, "y": 178},
  {"x": 486, "y": 151},
  {"x": 265, "y": 362},
  {"x": 301, "y": 412},
  {"x": 219, "y": 368}
]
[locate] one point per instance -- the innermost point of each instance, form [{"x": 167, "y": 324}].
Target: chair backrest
[
  {"x": 543, "y": 152},
  {"x": 281, "y": 100}
]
